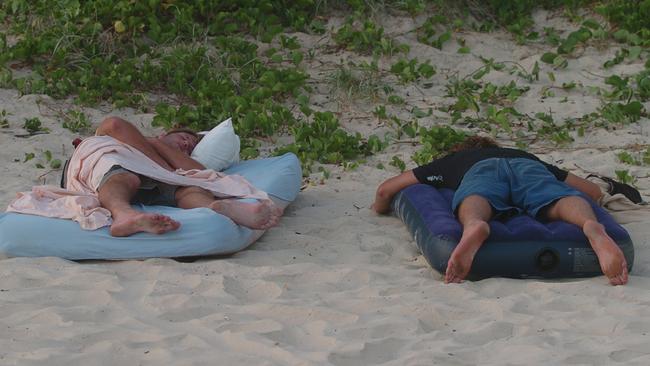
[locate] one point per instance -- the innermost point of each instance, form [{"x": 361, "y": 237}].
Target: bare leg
[
  {"x": 115, "y": 195},
  {"x": 473, "y": 213},
  {"x": 577, "y": 211},
  {"x": 259, "y": 216}
]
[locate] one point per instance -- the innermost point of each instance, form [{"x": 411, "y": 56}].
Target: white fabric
[
  {"x": 620, "y": 207},
  {"x": 219, "y": 148}
]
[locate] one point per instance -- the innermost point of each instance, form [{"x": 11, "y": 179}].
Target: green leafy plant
[
  {"x": 501, "y": 94},
  {"x": 324, "y": 141},
  {"x": 624, "y": 176},
  {"x": 46, "y": 159},
  {"x": 366, "y": 38},
  {"x": 34, "y": 125},
  {"x": 408, "y": 71},
  {"x": 4, "y": 122},
  {"x": 436, "y": 141},
  {"x": 398, "y": 163},
  {"x": 558, "y": 133},
  {"x": 408, "y": 128},
  {"x": 427, "y": 32},
  {"x": 622, "y": 112},
  {"x": 627, "y": 158},
  {"x": 76, "y": 121},
  {"x": 357, "y": 81},
  {"x": 28, "y": 157}
]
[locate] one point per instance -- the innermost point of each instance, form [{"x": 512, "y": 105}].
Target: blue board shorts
[
  {"x": 513, "y": 186},
  {"x": 150, "y": 192}
]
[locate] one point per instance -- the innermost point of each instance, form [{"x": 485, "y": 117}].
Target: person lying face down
[
  {"x": 120, "y": 187},
  {"x": 493, "y": 181}
]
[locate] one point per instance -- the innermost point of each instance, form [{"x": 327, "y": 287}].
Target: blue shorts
[{"x": 512, "y": 185}]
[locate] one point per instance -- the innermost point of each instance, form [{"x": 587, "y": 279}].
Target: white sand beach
[{"x": 334, "y": 283}]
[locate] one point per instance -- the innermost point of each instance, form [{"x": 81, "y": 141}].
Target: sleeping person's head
[
  {"x": 181, "y": 138},
  {"x": 474, "y": 142}
]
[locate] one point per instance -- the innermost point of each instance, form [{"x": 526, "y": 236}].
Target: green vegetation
[
  {"x": 4, "y": 122},
  {"x": 367, "y": 39},
  {"x": 195, "y": 63},
  {"x": 44, "y": 160},
  {"x": 324, "y": 141},
  {"x": 33, "y": 125},
  {"x": 436, "y": 141},
  {"x": 409, "y": 71},
  {"x": 76, "y": 121},
  {"x": 358, "y": 81}
]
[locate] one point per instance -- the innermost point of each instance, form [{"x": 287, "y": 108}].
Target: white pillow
[{"x": 219, "y": 148}]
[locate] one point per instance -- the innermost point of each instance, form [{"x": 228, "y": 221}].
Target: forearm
[
  {"x": 174, "y": 157},
  {"x": 389, "y": 188},
  {"x": 589, "y": 188},
  {"x": 125, "y": 132}
]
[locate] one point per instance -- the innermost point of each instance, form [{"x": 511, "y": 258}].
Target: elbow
[
  {"x": 384, "y": 192},
  {"x": 593, "y": 191},
  {"x": 596, "y": 194},
  {"x": 383, "y": 199},
  {"x": 110, "y": 126}
]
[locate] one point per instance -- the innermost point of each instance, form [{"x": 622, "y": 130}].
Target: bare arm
[
  {"x": 127, "y": 133},
  {"x": 174, "y": 157},
  {"x": 589, "y": 188},
  {"x": 389, "y": 188}
]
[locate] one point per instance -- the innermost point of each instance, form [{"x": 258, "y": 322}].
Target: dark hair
[
  {"x": 184, "y": 130},
  {"x": 474, "y": 142}
]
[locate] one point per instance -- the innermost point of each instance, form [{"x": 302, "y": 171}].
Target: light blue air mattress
[{"x": 202, "y": 231}]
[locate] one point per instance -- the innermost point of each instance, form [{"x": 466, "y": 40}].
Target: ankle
[
  {"x": 217, "y": 206},
  {"x": 593, "y": 227}
]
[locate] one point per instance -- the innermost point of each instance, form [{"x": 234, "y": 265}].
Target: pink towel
[{"x": 92, "y": 159}]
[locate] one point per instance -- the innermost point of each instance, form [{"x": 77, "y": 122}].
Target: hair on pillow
[{"x": 219, "y": 147}]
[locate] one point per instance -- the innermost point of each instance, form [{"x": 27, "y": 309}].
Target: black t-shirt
[{"x": 447, "y": 172}]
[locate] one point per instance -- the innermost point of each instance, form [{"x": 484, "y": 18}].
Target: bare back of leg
[
  {"x": 115, "y": 195},
  {"x": 258, "y": 216},
  {"x": 576, "y": 210}
]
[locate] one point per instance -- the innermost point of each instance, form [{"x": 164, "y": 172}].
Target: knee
[
  {"x": 474, "y": 207},
  {"x": 130, "y": 179},
  {"x": 474, "y": 202},
  {"x": 184, "y": 191},
  {"x": 574, "y": 201}
]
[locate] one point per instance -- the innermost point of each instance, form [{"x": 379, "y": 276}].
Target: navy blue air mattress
[
  {"x": 202, "y": 231},
  {"x": 520, "y": 247}
]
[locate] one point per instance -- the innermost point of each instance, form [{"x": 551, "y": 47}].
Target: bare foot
[
  {"x": 258, "y": 216},
  {"x": 460, "y": 262},
  {"x": 611, "y": 258},
  {"x": 131, "y": 223}
]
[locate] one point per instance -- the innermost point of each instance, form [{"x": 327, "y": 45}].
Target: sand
[{"x": 333, "y": 284}]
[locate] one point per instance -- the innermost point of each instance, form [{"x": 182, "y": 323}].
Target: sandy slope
[{"x": 334, "y": 283}]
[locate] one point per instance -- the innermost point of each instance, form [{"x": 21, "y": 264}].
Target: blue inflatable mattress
[
  {"x": 520, "y": 247},
  {"x": 202, "y": 232}
]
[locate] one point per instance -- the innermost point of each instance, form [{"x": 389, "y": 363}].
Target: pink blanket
[{"x": 92, "y": 159}]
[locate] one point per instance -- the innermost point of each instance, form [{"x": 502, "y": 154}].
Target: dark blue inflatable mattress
[{"x": 520, "y": 247}]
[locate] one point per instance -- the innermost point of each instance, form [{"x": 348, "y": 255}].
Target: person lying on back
[
  {"x": 119, "y": 187},
  {"x": 492, "y": 181}
]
